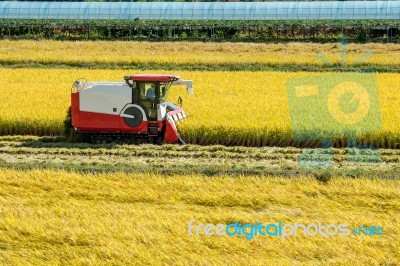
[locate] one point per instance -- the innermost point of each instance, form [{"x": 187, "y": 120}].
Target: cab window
[
  {"x": 148, "y": 91},
  {"x": 164, "y": 91}
]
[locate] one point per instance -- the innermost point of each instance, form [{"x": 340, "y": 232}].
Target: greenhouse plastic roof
[{"x": 332, "y": 10}]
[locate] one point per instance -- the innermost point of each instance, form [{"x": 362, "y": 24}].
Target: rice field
[
  {"x": 33, "y": 152},
  {"x": 255, "y": 109},
  {"x": 110, "y": 204},
  {"x": 193, "y": 53},
  {"x": 56, "y": 217}
]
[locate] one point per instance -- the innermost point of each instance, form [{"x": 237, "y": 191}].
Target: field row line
[{"x": 186, "y": 159}]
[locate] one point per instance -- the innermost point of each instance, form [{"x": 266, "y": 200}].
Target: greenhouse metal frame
[
  {"x": 215, "y": 21},
  {"x": 322, "y": 10}
]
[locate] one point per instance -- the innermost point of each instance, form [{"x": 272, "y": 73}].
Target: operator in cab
[{"x": 150, "y": 93}]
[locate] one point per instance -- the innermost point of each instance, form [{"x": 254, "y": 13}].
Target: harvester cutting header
[{"x": 135, "y": 108}]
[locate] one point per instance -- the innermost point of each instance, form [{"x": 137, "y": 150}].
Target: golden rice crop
[
  {"x": 53, "y": 217},
  {"x": 234, "y": 108},
  {"x": 190, "y": 52}
]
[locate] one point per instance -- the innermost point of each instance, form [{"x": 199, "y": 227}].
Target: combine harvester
[{"x": 135, "y": 110}]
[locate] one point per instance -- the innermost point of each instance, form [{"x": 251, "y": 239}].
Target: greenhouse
[{"x": 331, "y": 10}]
